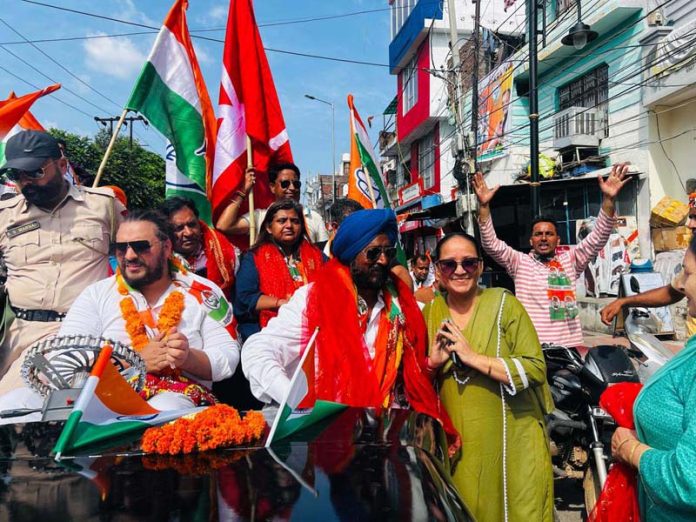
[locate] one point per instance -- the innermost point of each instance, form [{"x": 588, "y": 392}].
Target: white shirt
[
  {"x": 97, "y": 312},
  {"x": 270, "y": 357},
  {"x": 313, "y": 221}
]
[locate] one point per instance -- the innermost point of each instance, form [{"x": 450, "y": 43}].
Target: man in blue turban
[{"x": 370, "y": 346}]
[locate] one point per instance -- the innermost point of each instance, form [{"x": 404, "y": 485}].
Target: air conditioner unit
[{"x": 578, "y": 127}]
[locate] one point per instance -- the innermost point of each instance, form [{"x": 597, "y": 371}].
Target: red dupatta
[
  {"x": 274, "y": 276},
  {"x": 220, "y": 255},
  {"x": 345, "y": 373}
]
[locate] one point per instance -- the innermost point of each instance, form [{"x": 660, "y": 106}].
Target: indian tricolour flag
[
  {"x": 300, "y": 409},
  {"x": 171, "y": 94},
  {"x": 15, "y": 116},
  {"x": 365, "y": 184},
  {"x": 108, "y": 409}
]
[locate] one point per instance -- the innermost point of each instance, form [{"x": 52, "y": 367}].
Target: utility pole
[
  {"x": 458, "y": 149},
  {"x": 126, "y": 121},
  {"x": 474, "y": 87},
  {"x": 533, "y": 110}
]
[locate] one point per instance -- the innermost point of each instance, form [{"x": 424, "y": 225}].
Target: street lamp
[
  {"x": 333, "y": 141},
  {"x": 580, "y": 34}
]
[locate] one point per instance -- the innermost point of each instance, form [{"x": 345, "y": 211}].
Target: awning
[
  {"x": 445, "y": 211},
  {"x": 391, "y": 108}
]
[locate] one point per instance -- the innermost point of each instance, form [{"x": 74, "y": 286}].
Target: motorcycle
[{"x": 579, "y": 430}]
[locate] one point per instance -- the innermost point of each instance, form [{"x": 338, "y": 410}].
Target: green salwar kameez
[{"x": 476, "y": 410}]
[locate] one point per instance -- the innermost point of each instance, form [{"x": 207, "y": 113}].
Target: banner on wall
[{"x": 494, "y": 113}]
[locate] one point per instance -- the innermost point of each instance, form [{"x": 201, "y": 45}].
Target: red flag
[
  {"x": 248, "y": 106},
  {"x": 12, "y": 109}
]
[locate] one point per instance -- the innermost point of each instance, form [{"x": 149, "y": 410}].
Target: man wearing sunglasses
[
  {"x": 544, "y": 279},
  {"x": 370, "y": 335},
  {"x": 54, "y": 238},
  {"x": 284, "y": 181}
]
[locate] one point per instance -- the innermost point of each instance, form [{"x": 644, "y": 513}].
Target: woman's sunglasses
[
  {"x": 296, "y": 183},
  {"x": 374, "y": 253},
  {"x": 449, "y": 266}
]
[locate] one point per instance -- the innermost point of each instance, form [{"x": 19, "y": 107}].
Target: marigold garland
[
  {"x": 169, "y": 316},
  {"x": 218, "y": 426}
]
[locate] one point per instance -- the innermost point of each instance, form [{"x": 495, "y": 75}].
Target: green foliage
[{"x": 136, "y": 170}]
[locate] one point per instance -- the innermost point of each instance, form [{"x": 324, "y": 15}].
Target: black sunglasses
[
  {"x": 374, "y": 253},
  {"x": 296, "y": 183},
  {"x": 139, "y": 247},
  {"x": 16, "y": 174},
  {"x": 449, "y": 266}
]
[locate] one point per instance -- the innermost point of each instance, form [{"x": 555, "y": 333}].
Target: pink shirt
[{"x": 531, "y": 277}]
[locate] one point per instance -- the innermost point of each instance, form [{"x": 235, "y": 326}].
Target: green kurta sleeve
[
  {"x": 525, "y": 363},
  {"x": 669, "y": 476}
]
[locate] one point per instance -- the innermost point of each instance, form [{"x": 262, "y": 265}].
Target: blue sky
[{"x": 111, "y": 65}]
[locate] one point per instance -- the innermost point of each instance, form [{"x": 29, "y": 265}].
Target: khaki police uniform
[{"x": 51, "y": 257}]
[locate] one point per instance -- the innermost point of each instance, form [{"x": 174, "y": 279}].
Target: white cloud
[
  {"x": 117, "y": 57},
  {"x": 216, "y": 15},
  {"x": 201, "y": 53}
]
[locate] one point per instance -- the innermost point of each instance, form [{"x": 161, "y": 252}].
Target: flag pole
[
  {"x": 370, "y": 187},
  {"x": 252, "y": 216},
  {"x": 109, "y": 148}
]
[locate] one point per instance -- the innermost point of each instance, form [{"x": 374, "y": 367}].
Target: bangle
[
  {"x": 241, "y": 194},
  {"x": 618, "y": 448},
  {"x": 427, "y": 364},
  {"x": 630, "y": 455}
]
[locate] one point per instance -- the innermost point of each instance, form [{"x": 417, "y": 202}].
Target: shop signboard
[{"x": 410, "y": 192}]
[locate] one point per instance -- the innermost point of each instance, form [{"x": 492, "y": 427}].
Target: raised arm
[
  {"x": 500, "y": 251},
  {"x": 230, "y": 222},
  {"x": 589, "y": 247}
]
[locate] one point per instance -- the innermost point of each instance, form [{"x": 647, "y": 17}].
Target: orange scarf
[{"x": 274, "y": 276}]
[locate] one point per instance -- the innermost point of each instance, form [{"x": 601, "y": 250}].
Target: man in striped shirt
[{"x": 545, "y": 279}]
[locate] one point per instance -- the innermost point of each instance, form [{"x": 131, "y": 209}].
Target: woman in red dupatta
[{"x": 281, "y": 261}]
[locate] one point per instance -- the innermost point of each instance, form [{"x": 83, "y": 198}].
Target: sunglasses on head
[
  {"x": 16, "y": 174},
  {"x": 139, "y": 247},
  {"x": 373, "y": 254},
  {"x": 449, "y": 266},
  {"x": 296, "y": 183}
]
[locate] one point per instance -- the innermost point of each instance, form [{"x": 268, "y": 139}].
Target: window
[
  {"x": 400, "y": 9},
  {"x": 563, "y": 5},
  {"x": 589, "y": 91},
  {"x": 426, "y": 161},
  {"x": 409, "y": 84}
]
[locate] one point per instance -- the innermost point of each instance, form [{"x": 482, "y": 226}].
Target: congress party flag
[
  {"x": 15, "y": 116},
  {"x": 171, "y": 94},
  {"x": 108, "y": 408},
  {"x": 248, "y": 107},
  {"x": 365, "y": 183},
  {"x": 300, "y": 409}
]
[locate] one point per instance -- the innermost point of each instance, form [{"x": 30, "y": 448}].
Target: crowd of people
[{"x": 425, "y": 337}]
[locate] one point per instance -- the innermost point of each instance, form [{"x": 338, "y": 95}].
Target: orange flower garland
[
  {"x": 169, "y": 317},
  {"x": 218, "y": 426}
]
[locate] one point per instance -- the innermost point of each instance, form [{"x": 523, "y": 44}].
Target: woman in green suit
[{"x": 496, "y": 392}]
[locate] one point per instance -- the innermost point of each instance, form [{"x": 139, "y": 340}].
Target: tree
[{"x": 139, "y": 172}]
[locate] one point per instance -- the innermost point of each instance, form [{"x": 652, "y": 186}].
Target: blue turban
[{"x": 359, "y": 229}]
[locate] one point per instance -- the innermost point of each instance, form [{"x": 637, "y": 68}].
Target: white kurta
[
  {"x": 270, "y": 357},
  {"x": 97, "y": 312}
]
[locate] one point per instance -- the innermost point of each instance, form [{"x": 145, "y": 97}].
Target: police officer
[{"x": 54, "y": 238}]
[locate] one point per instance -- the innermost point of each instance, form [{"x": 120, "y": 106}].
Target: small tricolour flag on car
[
  {"x": 171, "y": 94},
  {"x": 300, "y": 408},
  {"x": 108, "y": 408}
]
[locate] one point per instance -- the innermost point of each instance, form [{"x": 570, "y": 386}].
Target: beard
[
  {"x": 373, "y": 277},
  {"x": 152, "y": 273},
  {"x": 46, "y": 195}
]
